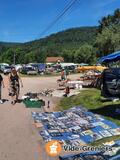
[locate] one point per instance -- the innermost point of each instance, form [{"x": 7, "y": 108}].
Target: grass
[
  {"x": 104, "y": 140},
  {"x": 92, "y": 100}
]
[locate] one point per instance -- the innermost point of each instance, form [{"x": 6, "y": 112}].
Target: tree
[
  {"x": 8, "y": 56},
  {"x": 68, "y": 55},
  {"x": 108, "y": 38},
  {"x": 40, "y": 55},
  {"x": 85, "y": 54},
  {"x": 109, "y": 21},
  {"x": 29, "y": 58}
]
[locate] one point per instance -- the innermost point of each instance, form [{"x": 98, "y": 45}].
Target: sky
[{"x": 25, "y": 20}]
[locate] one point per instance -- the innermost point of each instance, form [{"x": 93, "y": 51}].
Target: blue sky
[{"x": 24, "y": 20}]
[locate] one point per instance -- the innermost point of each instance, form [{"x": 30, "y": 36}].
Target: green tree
[
  {"x": 108, "y": 38},
  {"x": 8, "y": 56},
  {"x": 85, "y": 54},
  {"x": 110, "y": 20},
  {"x": 40, "y": 55}
]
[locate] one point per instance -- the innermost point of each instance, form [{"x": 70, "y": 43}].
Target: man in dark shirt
[{"x": 1, "y": 84}]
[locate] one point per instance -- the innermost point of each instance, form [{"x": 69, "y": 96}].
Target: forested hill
[
  {"x": 64, "y": 43},
  {"x": 70, "y": 38},
  {"x": 9, "y": 44}
]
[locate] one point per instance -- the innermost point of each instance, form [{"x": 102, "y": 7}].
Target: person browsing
[
  {"x": 1, "y": 84},
  {"x": 14, "y": 82}
]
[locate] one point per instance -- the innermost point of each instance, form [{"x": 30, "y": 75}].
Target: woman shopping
[{"x": 14, "y": 82}]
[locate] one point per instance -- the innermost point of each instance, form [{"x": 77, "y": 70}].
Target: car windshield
[
  {"x": 7, "y": 67},
  {"x": 30, "y": 69}
]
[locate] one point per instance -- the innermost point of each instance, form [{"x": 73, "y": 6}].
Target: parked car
[
  {"x": 2, "y": 65},
  {"x": 6, "y": 69},
  {"x": 111, "y": 82},
  {"x": 29, "y": 71},
  {"x": 41, "y": 67}
]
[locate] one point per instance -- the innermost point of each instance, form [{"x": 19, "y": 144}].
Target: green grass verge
[
  {"x": 104, "y": 140},
  {"x": 91, "y": 99}
]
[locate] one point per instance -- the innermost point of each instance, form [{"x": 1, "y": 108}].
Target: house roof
[{"x": 54, "y": 59}]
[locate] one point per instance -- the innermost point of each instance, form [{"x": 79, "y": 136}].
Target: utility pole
[{"x": 14, "y": 59}]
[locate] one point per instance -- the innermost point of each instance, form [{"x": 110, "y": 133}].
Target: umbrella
[{"x": 110, "y": 58}]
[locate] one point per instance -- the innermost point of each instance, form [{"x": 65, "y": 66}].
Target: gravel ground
[{"x": 19, "y": 139}]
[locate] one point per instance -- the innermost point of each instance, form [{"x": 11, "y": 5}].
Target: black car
[
  {"x": 111, "y": 82},
  {"x": 29, "y": 71}
]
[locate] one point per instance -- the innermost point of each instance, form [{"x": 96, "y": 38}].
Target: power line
[
  {"x": 66, "y": 8},
  {"x": 57, "y": 18}
]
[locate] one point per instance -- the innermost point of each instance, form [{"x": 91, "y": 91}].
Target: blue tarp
[
  {"x": 110, "y": 58},
  {"x": 60, "y": 126},
  {"x": 110, "y": 123},
  {"x": 41, "y": 67}
]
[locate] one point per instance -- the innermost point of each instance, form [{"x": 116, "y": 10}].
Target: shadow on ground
[
  {"x": 19, "y": 101},
  {"x": 5, "y": 100},
  {"x": 112, "y": 111}
]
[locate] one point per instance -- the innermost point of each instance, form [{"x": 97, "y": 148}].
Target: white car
[
  {"x": 6, "y": 69},
  {"x": 32, "y": 71},
  {"x": 29, "y": 71}
]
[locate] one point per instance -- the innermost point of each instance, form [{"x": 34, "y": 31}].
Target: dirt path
[{"x": 18, "y": 137}]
